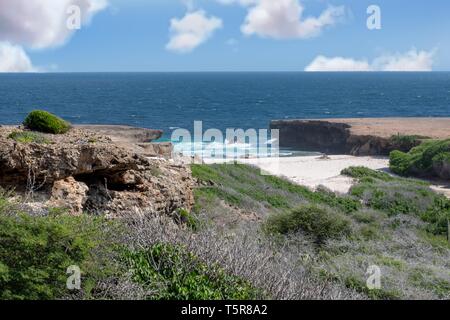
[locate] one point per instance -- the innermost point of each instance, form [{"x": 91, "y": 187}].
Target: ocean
[{"x": 221, "y": 100}]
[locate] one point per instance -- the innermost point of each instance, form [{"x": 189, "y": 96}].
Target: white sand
[{"x": 313, "y": 171}]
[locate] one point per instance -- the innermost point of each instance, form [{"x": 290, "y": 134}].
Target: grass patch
[
  {"x": 235, "y": 183},
  {"x": 392, "y": 262},
  {"x": 352, "y": 282},
  {"x": 28, "y": 137},
  {"x": 46, "y": 122},
  {"x": 438, "y": 242},
  {"x": 425, "y": 279},
  {"x": 396, "y": 196}
]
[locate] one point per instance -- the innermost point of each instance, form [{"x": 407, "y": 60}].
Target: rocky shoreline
[
  {"x": 116, "y": 169},
  {"x": 359, "y": 137}
]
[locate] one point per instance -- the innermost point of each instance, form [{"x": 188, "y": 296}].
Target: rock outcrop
[
  {"x": 86, "y": 171},
  {"x": 136, "y": 140},
  {"x": 125, "y": 134},
  {"x": 359, "y": 137}
]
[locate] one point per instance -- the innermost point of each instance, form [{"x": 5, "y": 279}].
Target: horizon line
[{"x": 227, "y": 71}]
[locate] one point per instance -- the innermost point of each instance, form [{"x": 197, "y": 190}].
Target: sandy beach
[{"x": 314, "y": 171}]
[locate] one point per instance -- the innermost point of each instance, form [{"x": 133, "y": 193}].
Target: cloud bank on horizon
[
  {"x": 412, "y": 60},
  {"x": 14, "y": 59}
]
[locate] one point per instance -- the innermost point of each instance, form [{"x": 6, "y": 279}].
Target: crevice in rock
[{"x": 106, "y": 181}]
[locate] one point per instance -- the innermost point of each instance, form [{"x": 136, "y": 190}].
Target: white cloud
[
  {"x": 14, "y": 59},
  {"x": 284, "y": 19},
  {"x": 322, "y": 63},
  {"x": 412, "y": 60},
  {"x": 191, "y": 31},
  {"x": 42, "y": 23}
]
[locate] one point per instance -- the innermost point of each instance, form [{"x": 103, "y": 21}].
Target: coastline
[{"x": 315, "y": 171}]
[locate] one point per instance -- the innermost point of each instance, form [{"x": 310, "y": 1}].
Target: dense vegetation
[
  {"x": 395, "y": 223},
  {"x": 250, "y": 236},
  {"x": 43, "y": 121},
  {"x": 427, "y": 159},
  {"x": 180, "y": 275},
  {"x": 35, "y": 253}
]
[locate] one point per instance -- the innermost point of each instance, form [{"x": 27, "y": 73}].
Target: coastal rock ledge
[
  {"x": 359, "y": 137},
  {"x": 85, "y": 171}
]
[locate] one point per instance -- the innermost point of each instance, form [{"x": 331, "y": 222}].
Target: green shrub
[
  {"x": 422, "y": 160},
  {"x": 46, "y": 122},
  {"x": 176, "y": 274},
  {"x": 184, "y": 216},
  {"x": 320, "y": 222},
  {"x": 366, "y": 173},
  {"x": 406, "y": 142},
  {"x": 399, "y": 162},
  {"x": 35, "y": 253},
  {"x": 28, "y": 137}
]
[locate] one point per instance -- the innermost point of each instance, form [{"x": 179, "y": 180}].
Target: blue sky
[{"x": 132, "y": 35}]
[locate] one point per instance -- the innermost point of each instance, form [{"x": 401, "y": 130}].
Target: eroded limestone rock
[{"x": 85, "y": 171}]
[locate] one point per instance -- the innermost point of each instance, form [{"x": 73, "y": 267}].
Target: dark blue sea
[{"x": 221, "y": 100}]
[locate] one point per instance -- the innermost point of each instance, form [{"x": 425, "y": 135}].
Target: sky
[{"x": 224, "y": 35}]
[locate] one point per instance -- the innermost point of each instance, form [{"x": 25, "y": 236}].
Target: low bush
[
  {"x": 46, "y": 122},
  {"x": 320, "y": 222},
  {"x": 179, "y": 275}
]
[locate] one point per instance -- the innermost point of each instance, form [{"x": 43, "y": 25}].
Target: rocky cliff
[
  {"x": 85, "y": 170},
  {"x": 359, "y": 137}
]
